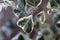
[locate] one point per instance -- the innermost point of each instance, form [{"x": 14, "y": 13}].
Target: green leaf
[
  {"x": 33, "y": 2},
  {"x": 22, "y": 22},
  {"x": 26, "y": 24},
  {"x": 41, "y": 17},
  {"x": 21, "y": 37}
]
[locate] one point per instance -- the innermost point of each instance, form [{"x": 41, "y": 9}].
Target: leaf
[
  {"x": 21, "y": 37},
  {"x": 33, "y": 2},
  {"x": 26, "y": 24},
  {"x": 22, "y": 22},
  {"x": 41, "y": 17}
]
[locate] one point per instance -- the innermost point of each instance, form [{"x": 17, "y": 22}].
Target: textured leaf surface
[
  {"x": 33, "y": 2},
  {"x": 41, "y": 17},
  {"x": 25, "y": 23}
]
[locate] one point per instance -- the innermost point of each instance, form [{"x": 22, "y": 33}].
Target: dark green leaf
[
  {"x": 26, "y": 24},
  {"x": 41, "y": 17},
  {"x": 21, "y": 37},
  {"x": 33, "y": 2},
  {"x": 22, "y": 23},
  {"x": 29, "y": 26}
]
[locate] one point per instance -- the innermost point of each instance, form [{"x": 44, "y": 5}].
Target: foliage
[
  {"x": 34, "y": 14},
  {"x": 39, "y": 14}
]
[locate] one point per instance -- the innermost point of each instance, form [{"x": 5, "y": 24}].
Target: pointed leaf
[
  {"x": 21, "y": 37},
  {"x": 41, "y": 17},
  {"x": 26, "y": 24},
  {"x": 33, "y": 2},
  {"x": 28, "y": 27}
]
